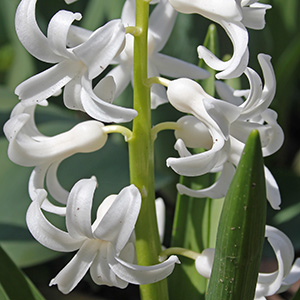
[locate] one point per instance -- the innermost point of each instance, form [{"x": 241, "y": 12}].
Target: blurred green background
[{"x": 280, "y": 39}]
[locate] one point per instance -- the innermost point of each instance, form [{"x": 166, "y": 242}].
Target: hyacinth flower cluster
[{"x": 91, "y": 69}]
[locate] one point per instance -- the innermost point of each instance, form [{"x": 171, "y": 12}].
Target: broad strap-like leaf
[
  {"x": 15, "y": 284},
  {"x": 241, "y": 229}
]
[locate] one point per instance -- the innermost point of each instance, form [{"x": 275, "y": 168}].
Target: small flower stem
[
  {"x": 179, "y": 251},
  {"x": 133, "y": 30},
  {"x": 158, "y": 80},
  {"x": 163, "y": 126},
  {"x": 127, "y": 133},
  {"x": 141, "y": 159}
]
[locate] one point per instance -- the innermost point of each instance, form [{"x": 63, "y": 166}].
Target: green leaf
[
  {"x": 211, "y": 43},
  {"x": 297, "y": 295},
  {"x": 14, "y": 283},
  {"x": 241, "y": 229},
  {"x": 3, "y": 295}
]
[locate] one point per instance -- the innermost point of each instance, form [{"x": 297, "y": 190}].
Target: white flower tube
[
  {"x": 106, "y": 247},
  {"x": 29, "y": 147}
]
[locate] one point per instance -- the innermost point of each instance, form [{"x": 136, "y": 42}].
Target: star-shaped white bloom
[
  {"x": 234, "y": 118},
  {"x": 161, "y": 23},
  {"x": 29, "y": 147},
  {"x": 106, "y": 246},
  {"x": 234, "y": 16},
  {"x": 75, "y": 67},
  {"x": 268, "y": 284}
]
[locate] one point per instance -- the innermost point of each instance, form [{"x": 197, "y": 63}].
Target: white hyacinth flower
[
  {"x": 188, "y": 96},
  {"x": 161, "y": 23},
  {"x": 29, "y": 147},
  {"x": 106, "y": 246},
  {"x": 268, "y": 284},
  {"x": 234, "y": 16},
  {"x": 75, "y": 67},
  {"x": 236, "y": 119}
]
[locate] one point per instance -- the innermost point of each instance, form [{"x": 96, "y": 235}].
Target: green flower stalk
[{"x": 141, "y": 158}]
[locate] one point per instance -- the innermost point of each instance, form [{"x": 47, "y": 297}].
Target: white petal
[
  {"x": 36, "y": 182},
  {"x": 259, "y": 104},
  {"x": 174, "y": 67},
  {"x": 199, "y": 164},
  {"x": 30, "y": 34},
  {"x": 106, "y": 89},
  {"x": 254, "y": 15},
  {"x": 216, "y": 190},
  {"x": 226, "y": 93},
  {"x": 160, "y": 209},
  {"x": 271, "y": 134},
  {"x": 72, "y": 94},
  {"x": 79, "y": 205},
  {"x": 102, "y": 46},
  {"x": 102, "y": 209},
  {"x": 54, "y": 187},
  {"x": 121, "y": 75},
  {"x": 292, "y": 277},
  {"x": 143, "y": 274},
  {"x": 101, "y": 272},
  {"x": 47, "y": 83},
  {"x": 222, "y": 113},
  {"x": 254, "y": 96},
  {"x": 44, "y": 232},
  {"x": 161, "y": 23},
  {"x": 193, "y": 132},
  {"x": 269, "y": 284},
  {"x": 211, "y": 9},
  {"x": 237, "y": 64},
  {"x": 77, "y": 35},
  {"x": 101, "y": 110},
  {"x": 204, "y": 262},
  {"x": 158, "y": 92},
  {"x": 128, "y": 253},
  {"x": 269, "y": 78},
  {"x": 273, "y": 194},
  {"x": 70, "y": 1},
  {"x": 276, "y": 136},
  {"x": 58, "y": 30},
  {"x": 158, "y": 95},
  {"x": 74, "y": 271},
  {"x": 119, "y": 221},
  {"x": 241, "y": 130},
  {"x": 128, "y": 13}
]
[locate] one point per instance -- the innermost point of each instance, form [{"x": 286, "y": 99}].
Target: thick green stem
[{"x": 141, "y": 159}]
